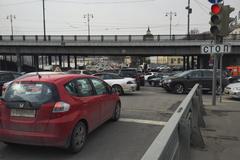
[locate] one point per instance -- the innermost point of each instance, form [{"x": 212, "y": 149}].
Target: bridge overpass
[{"x": 115, "y": 45}]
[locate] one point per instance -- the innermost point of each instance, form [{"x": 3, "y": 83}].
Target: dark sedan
[{"x": 183, "y": 82}]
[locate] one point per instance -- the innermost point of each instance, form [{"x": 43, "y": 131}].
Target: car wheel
[
  {"x": 179, "y": 88},
  {"x": 138, "y": 87},
  {"x": 78, "y": 138},
  {"x": 116, "y": 112},
  {"x": 150, "y": 83},
  {"x": 118, "y": 89},
  {"x": 9, "y": 143}
]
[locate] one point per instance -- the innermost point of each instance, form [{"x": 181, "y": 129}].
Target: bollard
[
  {"x": 196, "y": 136},
  {"x": 184, "y": 140}
]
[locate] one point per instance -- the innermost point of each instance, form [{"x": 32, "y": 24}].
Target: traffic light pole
[
  {"x": 218, "y": 40},
  {"x": 214, "y": 80}
]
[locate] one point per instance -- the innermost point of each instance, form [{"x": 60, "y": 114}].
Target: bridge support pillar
[
  {"x": 42, "y": 62},
  {"x": 192, "y": 62},
  {"x": 19, "y": 69},
  {"x": 68, "y": 61},
  {"x": 49, "y": 60},
  {"x": 36, "y": 62},
  {"x": 75, "y": 62},
  {"x": 60, "y": 61},
  {"x": 188, "y": 65},
  {"x": 198, "y": 62},
  {"x": 204, "y": 61},
  {"x": 184, "y": 63}
]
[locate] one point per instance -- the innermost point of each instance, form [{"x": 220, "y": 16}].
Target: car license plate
[{"x": 23, "y": 113}]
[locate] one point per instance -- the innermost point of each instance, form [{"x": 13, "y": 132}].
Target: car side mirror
[{"x": 2, "y": 99}]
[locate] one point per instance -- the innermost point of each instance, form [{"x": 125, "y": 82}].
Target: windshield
[
  {"x": 182, "y": 74},
  {"x": 128, "y": 73},
  {"x": 33, "y": 92}
]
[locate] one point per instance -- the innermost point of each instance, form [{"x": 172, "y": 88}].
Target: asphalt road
[{"x": 143, "y": 115}]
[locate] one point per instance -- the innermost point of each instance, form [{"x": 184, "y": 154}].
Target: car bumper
[
  {"x": 167, "y": 86},
  {"x": 130, "y": 88},
  {"x": 56, "y": 135},
  {"x": 231, "y": 93}
]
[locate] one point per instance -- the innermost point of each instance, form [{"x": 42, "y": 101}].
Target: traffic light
[
  {"x": 228, "y": 19},
  {"x": 220, "y": 19},
  {"x": 216, "y": 21}
]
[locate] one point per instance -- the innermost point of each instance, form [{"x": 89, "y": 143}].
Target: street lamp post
[
  {"x": 88, "y": 16},
  {"x": 171, "y": 14},
  {"x": 11, "y": 17},
  {"x": 44, "y": 23},
  {"x": 189, "y": 12}
]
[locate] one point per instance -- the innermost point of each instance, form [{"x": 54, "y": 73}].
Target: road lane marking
[{"x": 141, "y": 121}]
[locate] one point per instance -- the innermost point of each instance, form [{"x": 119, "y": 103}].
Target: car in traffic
[
  {"x": 184, "y": 81},
  {"x": 133, "y": 73},
  {"x": 233, "y": 90},
  {"x": 6, "y": 84},
  {"x": 56, "y": 110},
  {"x": 77, "y": 71},
  {"x": 6, "y": 76},
  {"x": 120, "y": 84},
  {"x": 148, "y": 74}
]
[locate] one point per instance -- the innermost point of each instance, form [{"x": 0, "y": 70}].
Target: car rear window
[{"x": 33, "y": 92}]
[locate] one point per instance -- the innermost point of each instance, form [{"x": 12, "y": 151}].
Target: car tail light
[{"x": 60, "y": 107}]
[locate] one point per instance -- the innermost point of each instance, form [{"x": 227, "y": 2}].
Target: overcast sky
[{"x": 109, "y": 16}]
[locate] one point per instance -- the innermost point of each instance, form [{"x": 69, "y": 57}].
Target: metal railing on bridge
[
  {"x": 111, "y": 38},
  {"x": 181, "y": 131}
]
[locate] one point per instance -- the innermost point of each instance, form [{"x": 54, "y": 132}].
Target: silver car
[{"x": 233, "y": 90}]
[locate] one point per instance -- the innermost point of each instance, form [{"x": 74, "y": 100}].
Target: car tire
[
  {"x": 179, "y": 88},
  {"x": 116, "y": 112},
  {"x": 78, "y": 137},
  {"x": 10, "y": 144},
  {"x": 138, "y": 87},
  {"x": 119, "y": 89},
  {"x": 150, "y": 83}
]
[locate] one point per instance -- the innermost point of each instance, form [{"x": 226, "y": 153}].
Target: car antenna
[{"x": 39, "y": 76}]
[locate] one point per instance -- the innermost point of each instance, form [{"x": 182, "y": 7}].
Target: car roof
[
  {"x": 107, "y": 73},
  {"x": 52, "y": 78},
  {"x": 2, "y": 72}
]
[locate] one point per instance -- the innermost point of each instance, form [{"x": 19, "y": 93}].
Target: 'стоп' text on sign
[{"x": 215, "y": 49}]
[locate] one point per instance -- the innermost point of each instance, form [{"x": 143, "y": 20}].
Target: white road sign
[{"x": 215, "y": 48}]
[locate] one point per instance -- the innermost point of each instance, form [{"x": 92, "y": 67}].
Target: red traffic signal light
[{"x": 216, "y": 9}]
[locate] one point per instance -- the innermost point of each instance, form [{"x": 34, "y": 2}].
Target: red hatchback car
[{"x": 56, "y": 110}]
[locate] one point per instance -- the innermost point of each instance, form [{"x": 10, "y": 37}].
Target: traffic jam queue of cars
[{"x": 60, "y": 109}]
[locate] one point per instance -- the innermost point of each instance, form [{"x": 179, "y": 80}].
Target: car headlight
[
  {"x": 236, "y": 89},
  {"x": 168, "y": 81}
]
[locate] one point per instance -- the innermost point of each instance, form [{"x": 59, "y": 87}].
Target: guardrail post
[
  {"x": 199, "y": 94},
  {"x": 102, "y": 38},
  {"x": 184, "y": 140},
  {"x": 129, "y": 38},
  {"x": 1, "y": 38},
  {"x": 196, "y": 136},
  {"x": 116, "y": 38},
  {"x": 11, "y": 37},
  {"x": 158, "y": 38},
  {"x": 49, "y": 38},
  {"x": 62, "y": 38},
  {"x": 75, "y": 38},
  {"x": 36, "y": 38},
  {"x": 89, "y": 38},
  {"x": 23, "y": 37}
]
